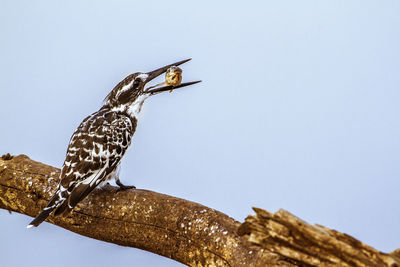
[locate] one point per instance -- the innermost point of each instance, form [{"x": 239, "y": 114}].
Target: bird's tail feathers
[
  {"x": 62, "y": 209},
  {"x": 78, "y": 193},
  {"x": 56, "y": 201},
  {"x": 65, "y": 200},
  {"x": 41, "y": 217}
]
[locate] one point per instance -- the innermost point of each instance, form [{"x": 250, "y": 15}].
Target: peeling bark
[
  {"x": 182, "y": 230},
  {"x": 310, "y": 245}
]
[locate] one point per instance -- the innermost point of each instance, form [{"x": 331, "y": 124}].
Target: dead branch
[
  {"x": 311, "y": 245},
  {"x": 182, "y": 230}
]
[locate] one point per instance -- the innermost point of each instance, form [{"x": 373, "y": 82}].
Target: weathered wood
[
  {"x": 311, "y": 245},
  {"x": 182, "y": 230}
]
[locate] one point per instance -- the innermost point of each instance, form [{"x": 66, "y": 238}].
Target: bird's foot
[{"x": 123, "y": 187}]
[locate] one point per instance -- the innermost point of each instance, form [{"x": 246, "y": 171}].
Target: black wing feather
[{"x": 94, "y": 151}]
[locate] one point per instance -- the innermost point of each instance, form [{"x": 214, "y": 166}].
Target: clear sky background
[{"x": 298, "y": 109}]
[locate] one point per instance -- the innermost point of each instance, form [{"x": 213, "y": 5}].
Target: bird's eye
[{"x": 136, "y": 83}]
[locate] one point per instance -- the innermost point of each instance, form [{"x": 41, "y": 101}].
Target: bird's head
[{"x": 131, "y": 92}]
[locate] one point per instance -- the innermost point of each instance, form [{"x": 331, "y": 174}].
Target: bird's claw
[{"x": 123, "y": 187}]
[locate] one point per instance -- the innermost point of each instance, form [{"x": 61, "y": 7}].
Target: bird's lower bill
[{"x": 155, "y": 89}]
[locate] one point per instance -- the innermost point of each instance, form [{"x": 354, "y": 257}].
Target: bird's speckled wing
[{"x": 94, "y": 152}]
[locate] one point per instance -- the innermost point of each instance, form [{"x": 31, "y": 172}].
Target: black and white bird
[{"x": 101, "y": 140}]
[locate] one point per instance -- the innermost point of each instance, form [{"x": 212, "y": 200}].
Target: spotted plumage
[
  {"x": 93, "y": 155},
  {"x": 100, "y": 141}
]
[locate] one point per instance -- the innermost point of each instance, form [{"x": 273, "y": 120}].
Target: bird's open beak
[{"x": 155, "y": 73}]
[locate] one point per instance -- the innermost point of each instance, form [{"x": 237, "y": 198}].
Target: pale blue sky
[{"x": 298, "y": 109}]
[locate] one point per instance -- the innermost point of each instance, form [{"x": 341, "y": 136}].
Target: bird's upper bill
[{"x": 163, "y": 86}]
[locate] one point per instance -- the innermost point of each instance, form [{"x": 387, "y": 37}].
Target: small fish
[{"x": 173, "y": 76}]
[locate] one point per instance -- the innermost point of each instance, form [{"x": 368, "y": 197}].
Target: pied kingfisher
[{"x": 101, "y": 140}]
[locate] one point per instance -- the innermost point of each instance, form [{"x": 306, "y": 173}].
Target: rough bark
[
  {"x": 310, "y": 245},
  {"x": 182, "y": 230}
]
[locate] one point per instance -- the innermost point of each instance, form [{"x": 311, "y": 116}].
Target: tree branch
[
  {"x": 182, "y": 230},
  {"x": 311, "y": 245}
]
